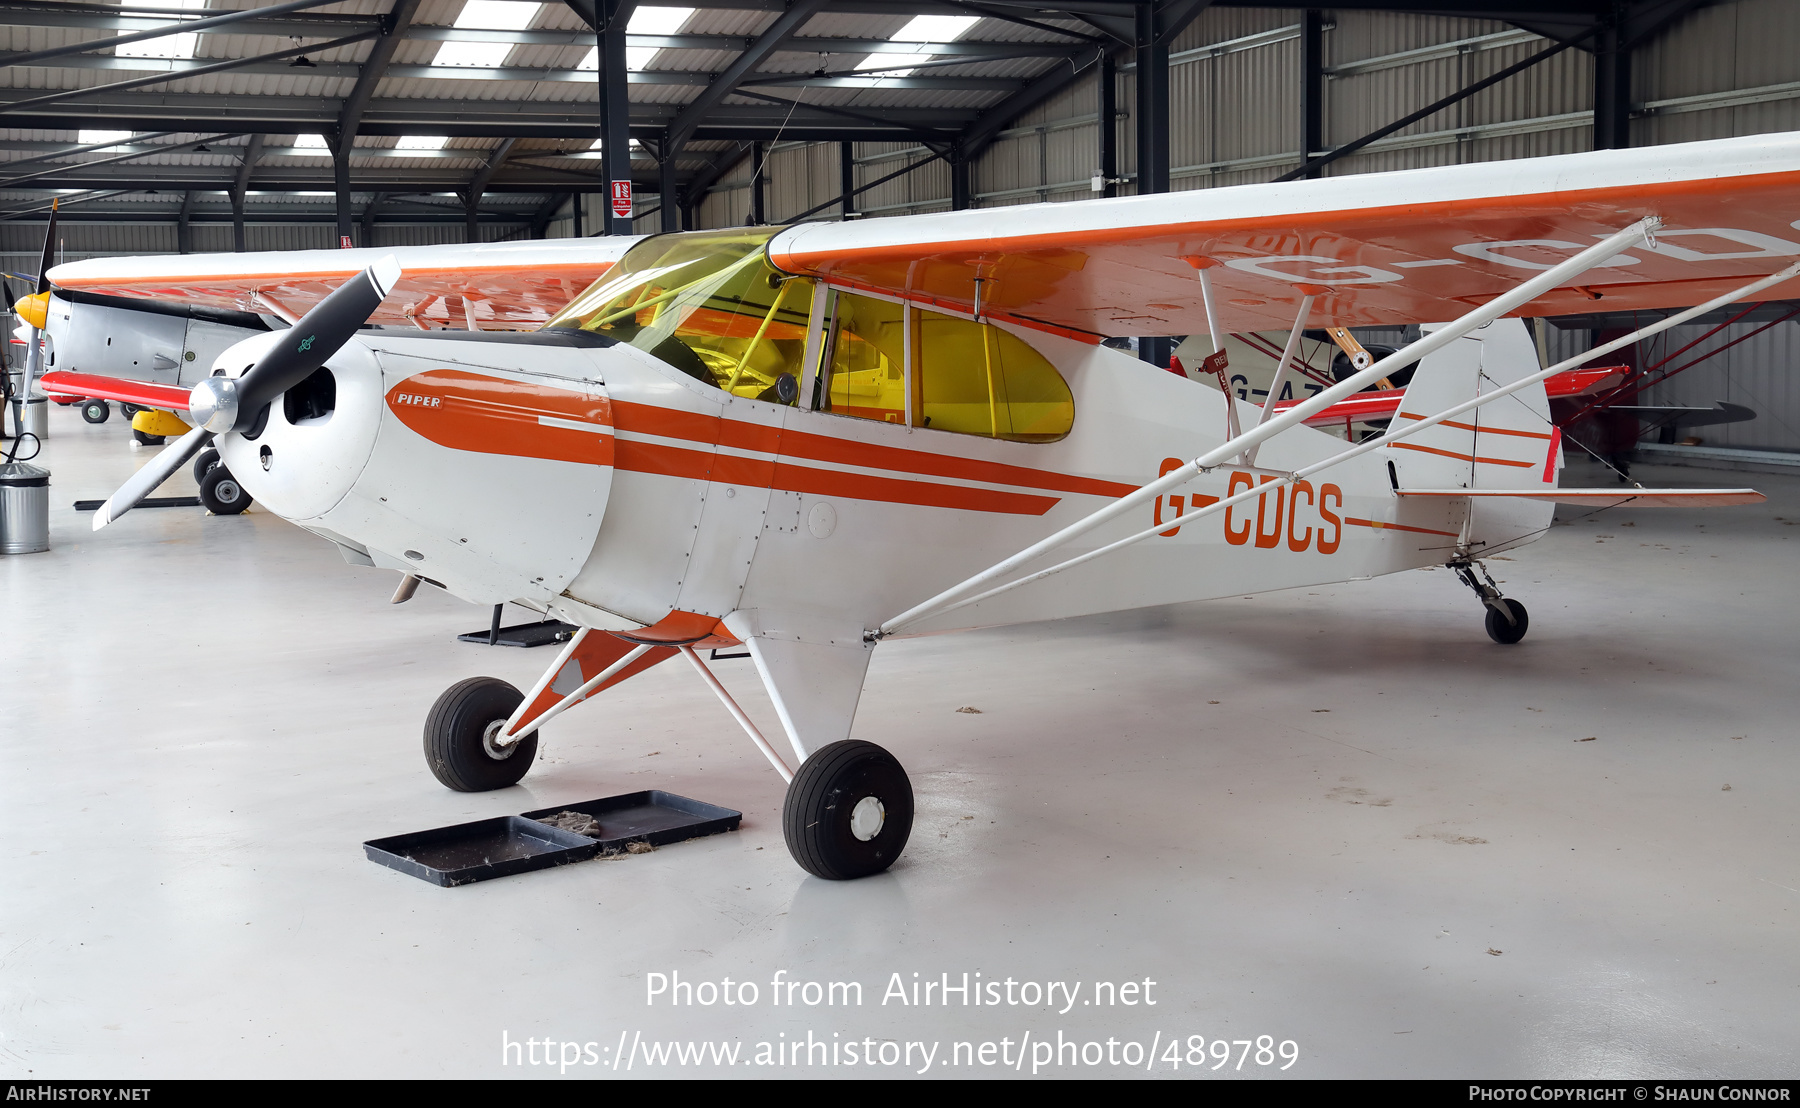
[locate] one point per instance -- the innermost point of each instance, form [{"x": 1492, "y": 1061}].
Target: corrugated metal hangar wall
[{"x": 1720, "y": 69}]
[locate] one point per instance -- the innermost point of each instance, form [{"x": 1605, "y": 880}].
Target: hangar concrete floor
[{"x": 1339, "y": 817}]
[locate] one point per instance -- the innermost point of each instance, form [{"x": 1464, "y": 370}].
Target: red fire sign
[{"x": 621, "y": 199}]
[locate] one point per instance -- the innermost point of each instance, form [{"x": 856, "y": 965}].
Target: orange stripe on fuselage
[
  {"x": 1380, "y": 526},
  {"x": 651, "y": 420},
  {"x": 491, "y": 415}
]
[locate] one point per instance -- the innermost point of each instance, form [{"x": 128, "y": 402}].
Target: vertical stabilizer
[{"x": 1508, "y": 444}]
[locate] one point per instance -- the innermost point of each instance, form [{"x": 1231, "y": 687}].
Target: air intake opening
[{"x": 312, "y": 400}]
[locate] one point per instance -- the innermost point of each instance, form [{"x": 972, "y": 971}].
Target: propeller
[
  {"x": 32, "y": 310},
  {"x": 220, "y": 405}
]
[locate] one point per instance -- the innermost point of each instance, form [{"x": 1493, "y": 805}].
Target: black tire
[
  {"x": 220, "y": 493},
  {"x": 146, "y": 440},
  {"x": 129, "y": 410},
  {"x": 204, "y": 461},
  {"x": 1503, "y": 632},
  {"x": 816, "y": 819},
  {"x": 96, "y": 411},
  {"x": 456, "y": 727}
]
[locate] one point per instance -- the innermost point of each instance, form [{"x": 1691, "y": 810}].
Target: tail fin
[{"x": 1508, "y": 444}]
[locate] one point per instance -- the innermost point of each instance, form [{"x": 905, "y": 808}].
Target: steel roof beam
[
  {"x": 160, "y": 78},
  {"x": 161, "y": 31},
  {"x": 746, "y": 63},
  {"x": 175, "y": 68},
  {"x": 457, "y": 119}
]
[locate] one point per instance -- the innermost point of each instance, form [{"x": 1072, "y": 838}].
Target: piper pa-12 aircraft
[{"x": 811, "y": 439}]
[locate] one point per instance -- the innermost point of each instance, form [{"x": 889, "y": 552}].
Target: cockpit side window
[{"x": 709, "y": 304}]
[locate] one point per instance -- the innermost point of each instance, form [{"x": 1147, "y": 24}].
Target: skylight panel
[
  {"x": 87, "y": 138},
  {"x": 421, "y": 142},
  {"x": 922, "y": 29},
  {"x": 168, "y": 46},
  {"x": 310, "y": 142},
  {"x": 644, "y": 21},
  {"x": 486, "y": 15}
]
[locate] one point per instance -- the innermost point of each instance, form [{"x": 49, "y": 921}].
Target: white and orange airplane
[{"x": 810, "y": 439}]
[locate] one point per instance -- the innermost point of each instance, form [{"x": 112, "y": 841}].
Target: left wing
[
  {"x": 1413, "y": 246},
  {"x": 508, "y": 285}
]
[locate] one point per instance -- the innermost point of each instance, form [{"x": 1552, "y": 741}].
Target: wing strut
[
  {"x": 958, "y": 596},
  {"x": 1281, "y": 368}
]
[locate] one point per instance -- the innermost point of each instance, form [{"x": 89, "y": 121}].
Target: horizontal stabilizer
[
  {"x": 1643, "y": 498},
  {"x": 95, "y": 386}
]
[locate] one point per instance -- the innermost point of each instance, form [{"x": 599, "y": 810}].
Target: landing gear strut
[{"x": 1506, "y": 619}]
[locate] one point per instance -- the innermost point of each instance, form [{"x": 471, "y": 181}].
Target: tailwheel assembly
[
  {"x": 460, "y": 737},
  {"x": 849, "y": 811},
  {"x": 1507, "y": 619}
]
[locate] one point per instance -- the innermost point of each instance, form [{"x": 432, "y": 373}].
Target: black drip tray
[
  {"x": 651, "y": 816},
  {"x": 507, "y": 845},
  {"x": 477, "y": 851}
]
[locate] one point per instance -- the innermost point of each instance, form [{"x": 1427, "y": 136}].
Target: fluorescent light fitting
[
  {"x": 644, "y": 21},
  {"x": 486, "y": 15},
  {"x": 168, "y": 46},
  {"x": 921, "y": 29}
]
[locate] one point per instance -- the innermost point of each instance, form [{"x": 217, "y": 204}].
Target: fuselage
[{"x": 596, "y": 481}]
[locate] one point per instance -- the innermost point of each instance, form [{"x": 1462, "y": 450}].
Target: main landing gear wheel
[
  {"x": 146, "y": 440},
  {"x": 459, "y": 736},
  {"x": 848, "y": 812},
  {"x": 1507, "y": 632},
  {"x": 220, "y": 493},
  {"x": 204, "y": 461},
  {"x": 96, "y": 411}
]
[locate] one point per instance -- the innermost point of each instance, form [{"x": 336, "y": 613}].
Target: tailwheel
[
  {"x": 1506, "y": 619},
  {"x": 220, "y": 493},
  {"x": 460, "y": 732},
  {"x": 849, "y": 811},
  {"x": 1500, "y": 628}
]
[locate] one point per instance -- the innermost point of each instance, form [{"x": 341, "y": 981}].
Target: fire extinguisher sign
[{"x": 621, "y": 199}]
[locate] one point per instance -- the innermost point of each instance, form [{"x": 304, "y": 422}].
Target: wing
[
  {"x": 1415, "y": 246},
  {"x": 508, "y": 284},
  {"x": 93, "y": 386}
]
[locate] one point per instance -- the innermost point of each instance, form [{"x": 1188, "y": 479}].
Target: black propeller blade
[
  {"x": 218, "y": 404},
  {"x": 43, "y": 281}
]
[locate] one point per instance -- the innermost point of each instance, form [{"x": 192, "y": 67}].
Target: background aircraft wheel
[
  {"x": 220, "y": 493},
  {"x": 204, "y": 461},
  {"x": 848, "y": 812},
  {"x": 458, "y": 735},
  {"x": 128, "y": 410},
  {"x": 146, "y": 440},
  {"x": 1503, "y": 632},
  {"x": 96, "y": 411}
]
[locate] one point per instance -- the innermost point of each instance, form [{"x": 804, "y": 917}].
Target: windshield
[{"x": 707, "y": 303}]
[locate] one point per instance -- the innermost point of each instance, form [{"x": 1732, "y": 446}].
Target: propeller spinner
[{"x": 220, "y": 405}]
